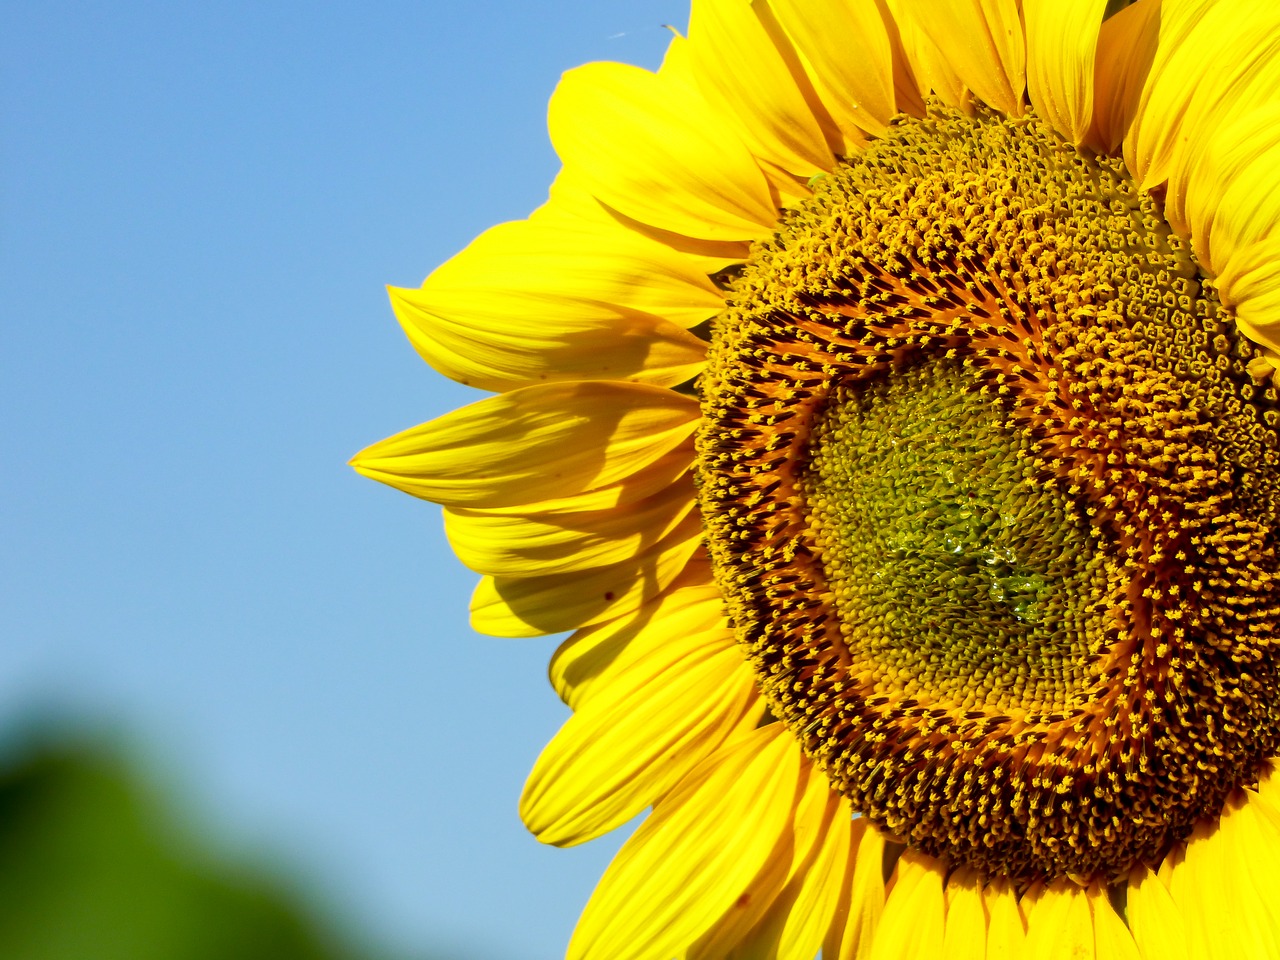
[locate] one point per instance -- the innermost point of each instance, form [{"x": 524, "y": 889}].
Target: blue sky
[{"x": 201, "y": 205}]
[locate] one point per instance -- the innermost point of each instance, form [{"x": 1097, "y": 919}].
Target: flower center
[
  {"x": 953, "y": 573},
  {"x": 992, "y": 498}
]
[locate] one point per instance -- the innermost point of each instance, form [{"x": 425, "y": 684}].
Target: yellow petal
[
  {"x": 734, "y": 934},
  {"x": 983, "y": 41},
  {"x": 1254, "y": 861},
  {"x": 1250, "y": 286},
  {"x": 846, "y": 46},
  {"x": 1126, "y": 50},
  {"x": 696, "y": 853},
  {"x": 743, "y": 74},
  {"x": 1226, "y": 880},
  {"x": 532, "y": 606},
  {"x": 581, "y": 261},
  {"x": 645, "y": 731},
  {"x": 1206, "y": 52},
  {"x": 1201, "y": 890},
  {"x": 754, "y": 927},
  {"x": 572, "y": 206},
  {"x": 786, "y": 188},
  {"x": 932, "y": 72},
  {"x": 669, "y": 470},
  {"x": 914, "y": 917},
  {"x": 646, "y": 147},
  {"x": 1006, "y": 927},
  {"x": 862, "y": 895},
  {"x": 1062, "y": 37},
  {"x": 1174, "y": 875},
  {"x": 1154, "y": 920},
  {"x": 1059, "y": 926},
  {"x": 1231, "y": 198},
  {"x": 821, "y": 882},
  {"x": 505, "y": 544},
  {"x": 1111, "y": 938},
  {"x": 677, "y": 63},
  {"x": 795, "y": 923},
  {"x": 572, "y": 444},
  {"x": 965, "y": 936},
  {"x": 505, "y": 342},
  {"x": 1231, "y": 92},
  {"x": 690, "y": 607}
]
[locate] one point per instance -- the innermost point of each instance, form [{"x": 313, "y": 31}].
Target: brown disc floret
[{"x": 992, "y": 496}]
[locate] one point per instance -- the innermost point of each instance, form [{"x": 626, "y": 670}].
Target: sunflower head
[{"x": 886, "y": 399}]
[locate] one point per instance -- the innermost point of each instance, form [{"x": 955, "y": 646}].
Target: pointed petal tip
[{"x": 360, "y": 460}]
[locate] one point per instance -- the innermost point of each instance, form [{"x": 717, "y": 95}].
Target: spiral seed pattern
[{"x": 992, "y": 496}]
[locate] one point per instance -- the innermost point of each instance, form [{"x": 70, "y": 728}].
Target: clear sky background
[{"x": 200, "y": 206}]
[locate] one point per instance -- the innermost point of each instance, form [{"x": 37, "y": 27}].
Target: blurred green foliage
[{"x": 92, "y": 867}]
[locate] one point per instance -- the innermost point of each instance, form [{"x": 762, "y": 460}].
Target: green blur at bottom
[{"x": 92, "y": 868}]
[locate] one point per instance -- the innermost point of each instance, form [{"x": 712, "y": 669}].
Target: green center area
[{"x": 953, "y": 572}]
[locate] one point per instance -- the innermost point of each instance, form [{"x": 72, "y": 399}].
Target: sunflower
[{"x": 886, "y": 400}]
